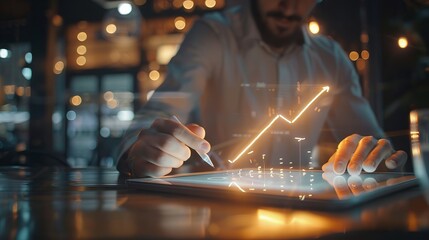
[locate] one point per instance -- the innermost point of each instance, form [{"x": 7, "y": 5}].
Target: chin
[{"x": 283, "y": 35}]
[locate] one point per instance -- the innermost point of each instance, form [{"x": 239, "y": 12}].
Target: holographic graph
[
  {"x": 277, "y": 118},
  {"x": 291, "y": 183}
]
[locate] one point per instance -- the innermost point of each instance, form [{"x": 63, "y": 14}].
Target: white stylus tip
[{"x": 206, "y": 158}]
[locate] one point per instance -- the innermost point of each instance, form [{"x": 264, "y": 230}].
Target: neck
[{"x": 279, "y": 50}]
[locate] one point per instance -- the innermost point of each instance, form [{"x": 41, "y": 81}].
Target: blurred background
[{"x": 72, "y": 72}]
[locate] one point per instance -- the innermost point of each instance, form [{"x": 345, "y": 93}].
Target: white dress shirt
[{"x": 225, "y": 78}]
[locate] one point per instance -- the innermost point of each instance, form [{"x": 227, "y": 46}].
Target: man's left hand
[{"x": 356, "y": 153}]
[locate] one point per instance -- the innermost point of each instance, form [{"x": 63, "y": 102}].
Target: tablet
[{"x": 279, "y": 187}]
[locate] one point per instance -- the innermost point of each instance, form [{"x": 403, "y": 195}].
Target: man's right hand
[{"x": 162, "y": 147}]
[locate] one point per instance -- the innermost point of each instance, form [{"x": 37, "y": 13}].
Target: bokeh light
[
  {"x": 82, "y": 36},
  {"x": 180, "y": 23},
  {"x": 313, "y": 26},
  {"x": 403, "y": 42},
  {"x": 353, "y": 55}
]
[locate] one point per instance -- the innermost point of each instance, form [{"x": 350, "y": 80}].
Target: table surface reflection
[{"x": 96, "y": 203}]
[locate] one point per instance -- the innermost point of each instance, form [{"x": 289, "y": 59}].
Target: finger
[
  {"x": 329, "y": 166},
  {"x": 182, "y": 133},
  {"x": 382, "y": 150},
  {"x": 366, "y": 144},
  {"x": 147, "y": 169},
  {"x": 355, "y": 185},
  {"x": 158, "y": 157},
  {"x": 341, "y": 187},
  {"x": 197, "y": 129},
  {"x": 396, "y": 160},
  {"x": 329, "y": 177},
  {"x": 172, "y": 146},
  {"x": 164, "y": 142},
  {"x": 345, "y": 150}
]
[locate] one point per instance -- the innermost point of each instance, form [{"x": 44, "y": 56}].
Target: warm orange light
[
  {"x": 9, "y": 89},
  {"x": 364, "y": 37},
  {"x": 82, "y": 36},
  {"x": 154, "y": 75},
  {"x": 403, "y": 42},
  {"x": 313, "y": 26},
  {"x": 58, "y": 67},
  {"x": 57, "y": 20},
  {"x": 112, "y": 104},
  {"x": 165, "y": 53},
  {"x": 111, "y": 28},
  {"x": 353, "y": 55},
  {"x": 81, "y": 60},
  {"x": 76, "y": 100},
  {"x": 81, "y": 49},
  {"x": 360, "y": 64},
  {"x": 177, "y": 3},
  {"x": 271, "y": 217},
  {"x": 108, "y": 96},
  {"x": 210, "y": 3},
  {"x": 180, "y": 23},
  {"x": 188, "y": 4},
  {"x": 414, "y": 131},
  {"x": 20, "y": 91},
  {"x": 365, "y": 54}
]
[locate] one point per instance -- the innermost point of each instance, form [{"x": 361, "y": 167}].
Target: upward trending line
[{"x": 325, "y": 89}]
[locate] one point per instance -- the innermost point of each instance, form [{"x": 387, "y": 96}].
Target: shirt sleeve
[
  {"x": 350, "y": 112},
  {"x": 185, "y": 83}
]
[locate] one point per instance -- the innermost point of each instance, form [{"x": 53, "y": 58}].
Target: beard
[{"x": 276, "y": 39}]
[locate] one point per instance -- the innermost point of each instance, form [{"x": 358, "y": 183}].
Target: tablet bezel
[{"x": 162, "y": 185}]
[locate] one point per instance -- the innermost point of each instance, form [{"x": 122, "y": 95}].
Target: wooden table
[{"x": 48, "y": 203}]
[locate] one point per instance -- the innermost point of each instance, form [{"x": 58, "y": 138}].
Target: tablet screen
[{"x": 279, "y": 184}]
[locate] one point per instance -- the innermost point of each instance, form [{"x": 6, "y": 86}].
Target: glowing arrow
[{"x": 324, "y": 89}]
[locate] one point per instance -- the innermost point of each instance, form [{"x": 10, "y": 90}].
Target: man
[{"x": 258, "y": 43}]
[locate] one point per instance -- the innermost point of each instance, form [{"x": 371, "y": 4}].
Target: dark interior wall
[{"x": 405, "y": 72}]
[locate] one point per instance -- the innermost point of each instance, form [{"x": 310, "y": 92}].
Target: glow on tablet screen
[{"x": 294, "y": 183}]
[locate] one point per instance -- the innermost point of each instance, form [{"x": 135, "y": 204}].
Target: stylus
[{"x": 204, "y": 156}]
